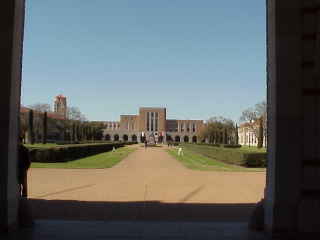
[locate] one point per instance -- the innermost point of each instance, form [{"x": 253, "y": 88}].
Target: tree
[
  {"x": 237, "y": 135},
  {"x": 260, "y": 138},
  {"x": 30, "y": 128},
  {"x": 40, "y": 107},
  {"x": 74, "y": 113},
  {"x": 218, "y": 130},
  {"x": 226, "y": 136},
  {"x": 252, "y": 116},
  {"x": 44, "y": 128},
  {"x": 73, "y": 133}
]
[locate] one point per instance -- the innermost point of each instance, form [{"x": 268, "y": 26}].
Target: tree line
[
  {"x": 221, "y": 130},
  {"x": 36, "y": 127}
]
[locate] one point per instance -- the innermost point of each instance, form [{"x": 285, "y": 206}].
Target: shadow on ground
[{"x": 150, "y": 210}]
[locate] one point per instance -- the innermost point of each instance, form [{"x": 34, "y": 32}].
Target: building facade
[
  {"x": 247, "y": 135},
  {"x": 152, "y": 124}
]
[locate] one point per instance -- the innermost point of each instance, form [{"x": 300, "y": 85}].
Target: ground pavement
[{"x": 148, "y": 184}]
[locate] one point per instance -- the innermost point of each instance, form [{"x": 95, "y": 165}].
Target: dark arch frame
[
  {"x": 194, "y": 139},
  {"x": 134, "y": 138},
  {"x": 125, "y": 138},
  {"x": 116, "y": 138},
  {"x": 107, "y": 137}
]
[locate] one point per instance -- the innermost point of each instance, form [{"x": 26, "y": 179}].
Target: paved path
[{"x": 146, "y": 177}]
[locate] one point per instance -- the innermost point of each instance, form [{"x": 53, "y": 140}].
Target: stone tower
[{"x": 60, "y": 105}]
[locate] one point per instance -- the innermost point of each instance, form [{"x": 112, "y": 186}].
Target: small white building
[{"x": 247, "y": 136}]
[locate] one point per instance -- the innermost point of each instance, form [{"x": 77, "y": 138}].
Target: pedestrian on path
[
  {"x": 24, "y": 162},
  {"x": 180, "y": 152},
  {"x": 145, "y": 144},
  {"x": 24, "y": 165}
]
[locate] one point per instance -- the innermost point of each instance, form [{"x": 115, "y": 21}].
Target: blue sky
[{"x": 109, "y": 57}]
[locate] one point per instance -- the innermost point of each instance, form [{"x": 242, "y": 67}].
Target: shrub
[
  {"x": 232, "y": 146},
  {"x": 69, "y": 152},
  {"x": 230, "y": 155},
  {"x": 255, "y": 159}
]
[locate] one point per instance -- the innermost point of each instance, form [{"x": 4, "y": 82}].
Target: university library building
[{"x": 152, "y": 125}]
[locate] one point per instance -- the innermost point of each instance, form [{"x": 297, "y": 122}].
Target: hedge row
[
  {"x": 230, "y": 155},
  {"x": 220, "y": 145},
  {"x": 70, "y": 152}
]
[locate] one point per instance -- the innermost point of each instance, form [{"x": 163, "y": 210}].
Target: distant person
[
  {"x": 24, "y": 212},
  {"x": 180, "y": 151},
  {"x": 145, "y": 144},
  {"x": 23, "y": 167}
]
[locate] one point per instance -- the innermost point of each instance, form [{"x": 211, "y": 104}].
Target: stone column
[
  {"x": 285, "y": 125},
  {"x": 11, "y": 24}
]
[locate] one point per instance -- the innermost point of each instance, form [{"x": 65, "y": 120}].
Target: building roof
[
  {"x": 52, "y": 115},
  {"x": 60, "y": 96},
  {"x": 247, "y": 124}
]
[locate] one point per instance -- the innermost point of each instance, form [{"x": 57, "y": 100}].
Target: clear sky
[{"x": 109, "y": 57}]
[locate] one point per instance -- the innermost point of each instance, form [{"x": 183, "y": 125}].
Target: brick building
[{"x": 152, "y": 123}]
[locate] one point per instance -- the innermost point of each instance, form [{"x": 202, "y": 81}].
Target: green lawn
[
  {"x": 197, "y": 161},
  {"x": 102, "y": 160}
]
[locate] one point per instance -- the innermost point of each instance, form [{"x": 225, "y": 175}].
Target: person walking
[
  {"x": 23, "y": 167},
  {"x": 145, "y": 144},
  {"x": 24, "y": 162}
]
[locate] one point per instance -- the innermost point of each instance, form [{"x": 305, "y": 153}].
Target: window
[
  {"x": 156, "y": 121},
  {"x": 152, "y": 121},
  {"x": 148, "y": 121}
]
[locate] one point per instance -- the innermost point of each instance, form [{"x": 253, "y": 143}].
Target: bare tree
[
  {"x": 41, "y": 107},
  {"x": 256, "y": 117},
  {"x": 74, "y": 113}
]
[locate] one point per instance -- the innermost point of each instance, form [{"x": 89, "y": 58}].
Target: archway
[
  {"x": 134, "y": 138},
  {"x": 177, "y": 139},
  {"x": 116, "y": 138},
  {"x": 194, "y": 139},
  {"x": 107, "y": 137},
  {"x": 125, "y": 138},
  {"x": 284, "y": 15},
  {"x": 186, "y": 139}
]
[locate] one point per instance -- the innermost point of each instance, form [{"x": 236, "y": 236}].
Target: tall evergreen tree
[
  {"x": 225, "y": 136},
  {"x": 73, "y": 133},
  {"x": 44, "y": 127},
  {"x": 237, "y": 135},
  {"x": 30, "y": 127},
  {"x": 260, "y": 136}
]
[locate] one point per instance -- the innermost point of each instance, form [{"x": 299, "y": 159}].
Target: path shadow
[{"x": 150, "y": 211}]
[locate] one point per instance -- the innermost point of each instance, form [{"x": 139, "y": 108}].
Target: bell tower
[{"x": 60, "y": 105}]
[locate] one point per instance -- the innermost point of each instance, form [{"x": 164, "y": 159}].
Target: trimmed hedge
[
  {"x": 70, "y": 152},
  {"x": 255, "y": 159},
  {"x": 231, "y": 155},
  {"x": 232, "y": 146}
]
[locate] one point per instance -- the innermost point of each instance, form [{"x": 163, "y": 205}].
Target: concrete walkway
[
  {"x": 147, "y": 179},
  {"x": 153, "y": 195}
]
